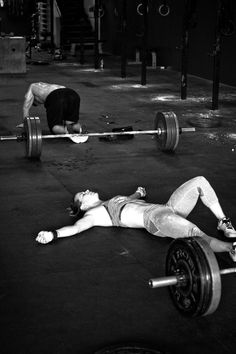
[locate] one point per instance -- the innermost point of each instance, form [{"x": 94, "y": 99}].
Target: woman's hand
[
  {"x": 44, "y": 237},
  {"x": 141, "y": 191}
]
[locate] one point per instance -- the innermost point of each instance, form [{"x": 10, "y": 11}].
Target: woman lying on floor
[{"x": 164, "y": 220}]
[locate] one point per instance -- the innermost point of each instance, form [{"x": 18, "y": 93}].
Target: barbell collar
[
  {"x": 227, "y": 271},
  {"x": 179, "y": 280},
  {"x": 9, "y": 137},
  {"x": 187, "y": 130},
  {"x": 163, "y": 282},
  {"x": 18, "y": 138}
]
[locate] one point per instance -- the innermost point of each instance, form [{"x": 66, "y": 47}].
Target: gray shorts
[
  {"x": 170, "y": 219},
  {"x": 153, "y": 217},
  {"x": 162, "y": 220}
]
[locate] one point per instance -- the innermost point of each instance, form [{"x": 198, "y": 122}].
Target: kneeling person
[{"x": 62, "y": 106}]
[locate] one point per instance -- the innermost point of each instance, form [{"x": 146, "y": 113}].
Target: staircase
[{"x": 76, "y": 27}]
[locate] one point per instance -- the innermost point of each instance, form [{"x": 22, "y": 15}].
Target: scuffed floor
[{"x": 87, "y": 292}]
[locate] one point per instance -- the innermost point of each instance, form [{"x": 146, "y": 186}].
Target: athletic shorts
[
  {"x": 161, "y": 220},
  {"x": 153, "y": 219},
  {"x": 62, "y": 105}
]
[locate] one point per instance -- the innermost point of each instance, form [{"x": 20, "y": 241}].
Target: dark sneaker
[{"x": 226, "y": 226}]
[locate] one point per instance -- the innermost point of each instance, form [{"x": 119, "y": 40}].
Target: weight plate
[
  {"x": 32, "y": 131},
  {"x": 167, "y": 122},
  {"x": 128, "y": 349},
  {"x": 200, "y": 291},
  {"x": 214, "y": 272}
]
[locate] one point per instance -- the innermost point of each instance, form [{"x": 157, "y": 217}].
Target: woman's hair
[{"x": 74, "y": 209}]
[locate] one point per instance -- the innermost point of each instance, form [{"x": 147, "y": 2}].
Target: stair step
[
  {"x": 79, "y": 37},
  {"x": 75, "y": 25},
  {"x": 83, "y": 26},
  {"x": 78, "y": 41},
  {"x": 78, "y": 32}
]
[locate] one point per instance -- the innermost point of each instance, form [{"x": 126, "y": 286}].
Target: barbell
[
  {"x": 193, "y": 276},
  {"x": 166, "y": 131}
]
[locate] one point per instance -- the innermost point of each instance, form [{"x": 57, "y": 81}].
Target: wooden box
[{"x": 12, "y": 55}]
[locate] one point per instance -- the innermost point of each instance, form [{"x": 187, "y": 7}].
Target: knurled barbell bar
[
  {"x": 193, "y": 277},
  {"x": 166, "y": 131}
]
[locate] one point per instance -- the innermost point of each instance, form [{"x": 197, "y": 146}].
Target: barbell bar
[
  {"x": 179, "y": 279},
  {"x": 193, "y": 277},
  {"x": 166, "y": 130},
  {"x": 132, "y": 132}
]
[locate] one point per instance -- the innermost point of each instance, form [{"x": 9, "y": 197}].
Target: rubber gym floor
[{"x": 87, "y": 292}]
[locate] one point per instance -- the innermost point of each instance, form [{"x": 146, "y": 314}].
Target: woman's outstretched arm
[{"x": 79, "y": 226}]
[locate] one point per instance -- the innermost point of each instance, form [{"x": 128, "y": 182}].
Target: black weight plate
[
  {"x": 200, "y": 293},
  {"x": 33, "y": 144},
  {"x": 167, "y": 122},
  {"x": 128, "y": 349}
]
